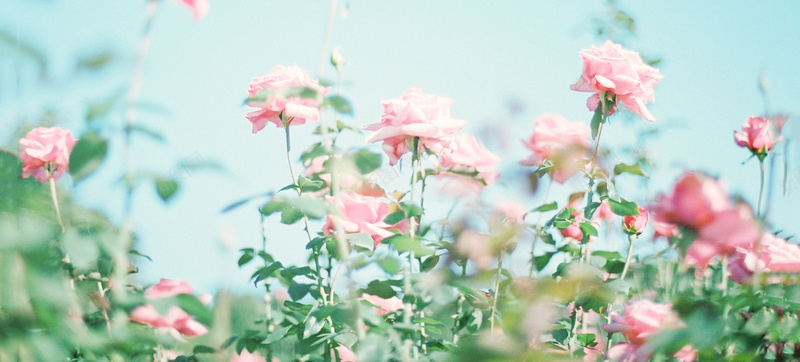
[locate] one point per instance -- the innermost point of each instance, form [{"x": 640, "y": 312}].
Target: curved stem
[
  {"x": 55, "y": 203},
  {"x": 632, "y": 240}
]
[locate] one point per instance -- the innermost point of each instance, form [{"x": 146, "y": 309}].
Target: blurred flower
[
  {"x": 384, "y": 306},
  {"x": 511, "y": 210},
  {"x": 635, "y": 224},
  {"x": 246, "y": 356},
  {"x": 695, "y": 200},
  {"x": 559, "y": 140},
  {"x": 642, "y": 319},
  {"x": 467, "y": 154},
  {"x": 345, "y": 354},
  {"x": 759, "y": 134},
  {"x": 280, "y": 106},
  {"x": 361, "y": 214},
  {"x": 776, "y": 255},
  {"x": 348, "y": 180},
  {"x": 620, "y": 72},
  {"x": 477, "y": 247},
  {"x": 728, "y": 230},
  {"x": 415, "y": 114},
  {"x": 45, "y": 152},
  {"x": 664, "y": 229},
  {"x": 604, "y": 211},
  {"x": 176, "y": 320},
  {"x": 199, "y": 7}
]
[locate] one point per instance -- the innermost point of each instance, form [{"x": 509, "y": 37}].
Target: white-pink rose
[
  {"x": 467, "y": 154},
  {"x": 362, "y": 214},
  {"x": 277, "y": 108},
  {"x": 562, "y": 141},
  {"x": 415, "y": 114},
  {"x": 621, "y": 72},
  {"x": 759, "y": 134},
  {"x": 776, "y": 255},
  {"x": 45, "y": 152}
]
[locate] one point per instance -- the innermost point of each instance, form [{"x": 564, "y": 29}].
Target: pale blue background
[{"x": 484, "y": 55}]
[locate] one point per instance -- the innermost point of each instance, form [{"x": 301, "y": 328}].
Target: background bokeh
[{"x": 503, "y": 64}]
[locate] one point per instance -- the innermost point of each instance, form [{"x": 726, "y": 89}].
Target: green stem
[
  {"x": 632, "y": 240},
  {"x": 496, "y": 291},
  {"x": 588, "y": 211},
  {"x": 55, "y": 203},
  {"x": 760, "y": 187},
  {"x": 268, "y": 326},
  {"x": 538, "y": 233}
]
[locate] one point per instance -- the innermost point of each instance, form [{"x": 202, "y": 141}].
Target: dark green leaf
[
  {"x": 394, "y": 217},
  {"x": 247, "y": 255},
  {"x": 411, "y": 209},
  {"x": 266, "y": 272},
  {"x": 588, "y": 229},
  {"x": 87, "y": 155},
  {"x": 198, "y": 349},
  {"x": 623, "y": 207},
  {"x": 381, "y": 289},
  {"x": 298, "y": 291},
  {"x": 547, "y": 207},
  {"x": 276, "y": 336},
  {"x": 166, "y": 188},
  {"x": 587, "y": 339},
  {"x": 193, "y": 306},
  {"x": 429, "y": 263}
]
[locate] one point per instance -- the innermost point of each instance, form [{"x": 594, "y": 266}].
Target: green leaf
[
  {"x": 198, "y": 349},
  {"x": 587, "y": 339},
  {"x": 339, "y": 104},
  {"x": 623, "y": 207},
  {"x": 265, "y": 272},
  {"x": 597, "y": 119},
  {"x": 87, "y": 155},
  {"x": 247, "y": 255},
  {"x": 166, "y": 188},
  {"x": 588, "y": 229},
  {"x": 96, "y": 61},
  {"x": 276, "y": 336},
  {"x": 362, "y": 240},
  {"x": 367, "y": 161},
  {"x": 542, "y": 261},
  {"x": 411, "y": 209},
  {"x": 546, "y": 207},
  {"x": 298, "y": 291},
  {"x": 315, "y": 243},
  {"x": 394, "y": 217},
  {"x": 429, "y": 263},
  {"x": 634, "y": 169},
  {"x": 389, "y": 265},
  {"x": 290, "y": 215},
  {"x": 404, "y": 243},
  {"x": 193, "y": 306},
  {"x": 381, "y": 288}
]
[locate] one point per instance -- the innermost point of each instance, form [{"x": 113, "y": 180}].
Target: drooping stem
[
  {"x": 632, "y": 240},
  {"x": 55, "y": 203},
  {"x": 496, "y": 291}
]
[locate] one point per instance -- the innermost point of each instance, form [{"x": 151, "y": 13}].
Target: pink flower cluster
[
  {"x": 700, "y": 203},
  {"x": 362, "y": 214},
  {"x": 618, "y": 72},
  {"x": 642, "y": 320},
  {"x": 760, "y": 134},
  {"x": 415, "y": 114},
  {"x": 176, "y": 320},
  {"x": 561, "y": 141},
  {"x": 45, "y": 152},
  {"x": 280, "y": 108}
]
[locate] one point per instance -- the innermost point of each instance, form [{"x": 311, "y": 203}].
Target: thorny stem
[
  {"x": 55, "y": 203},
  {"x": 632, "y": 240}
]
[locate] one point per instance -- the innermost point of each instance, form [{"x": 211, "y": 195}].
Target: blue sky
[{"x": 482, "y": 55}]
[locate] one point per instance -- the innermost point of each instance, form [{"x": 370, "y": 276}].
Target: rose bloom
[
  {"x": 629, "y": 352},
  {"x": 176, "y": 320},
  {"x": 604, "y": 211},
  {"x": 279, "y": 109},
  {"x": 362, "y": 214},
  {"x": 457, "y": 185},
  {"x": 635, "y": 224},
  {"x": 664, "y": 229},
  {"x": 348, "y": 179},
  {"x": 345, "y": 354},
  {"x": 415, "y": 114},
  {"x": 384, "y": 306},
  {"x": 612, "y": 69},
  {"x": 562, "y": 141},
  {"x": 45, "y": 152},
  {"x": 728, "y": 230},
  {"x": 199, "y": 7},
  {"x": 758, "y": 134},
  {"x": 642, "y": 320},
  {"x": 467, "y": 153},
  {"x": 777, "y": 256},
  {"x": 694, "y": 201},
  {"x": 246, "y": 356},
  {"x": 511, "y": 210}
]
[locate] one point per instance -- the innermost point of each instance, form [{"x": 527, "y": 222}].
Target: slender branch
[
  {"x": 496, "y": 291},
  {"x": 632, "y": 240},
  {"x": 760, "y": 187},
  {"x": 55, "y": 203},
  {"x": 326, "y": 40}
]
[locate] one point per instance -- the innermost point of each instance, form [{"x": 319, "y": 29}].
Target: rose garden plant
[{"x": 724, "y": 287}]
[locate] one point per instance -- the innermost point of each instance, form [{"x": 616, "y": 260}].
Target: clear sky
[{"x": 483, "y": 55}]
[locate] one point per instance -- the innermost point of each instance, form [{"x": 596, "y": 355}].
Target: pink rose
[
  {"x": 635, "y": 224},
  {"x": 199, "y": 7},
  {"x": 362, "y": 214},
  {"x": 664, "y": 229},
  {"x": 348, "y": 180},
  {"x": 416, "y": 114},
  {"x": 345, "y": 354},
  {"x": 694, "y": 201},
  {"x": 604, "y": 211},
  {"x": 45, "y": 152},
  {"x": 292, "y": 110},
  {"x": 777, "y": 256},
  {"x": 620, "y": 72},
  {"x": 629, "y": 352},
  {"x": 467, "y": 154},
  {"x": 246, "y": 356},
  {"x": 728, "y": 230},
  {"x": 458, "y": 185},
  {"x": 168, "y": 288},
  {"x": 642, "y": 320},
  {"x": 176, "y": 320},
  {"x": 511, "y": 210},
  {"x": 384, "y": 306},
  {"x": 758, "y": 134},
  {"x": 686, "y": 354},
  {"x": 560, "y": 140}
]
